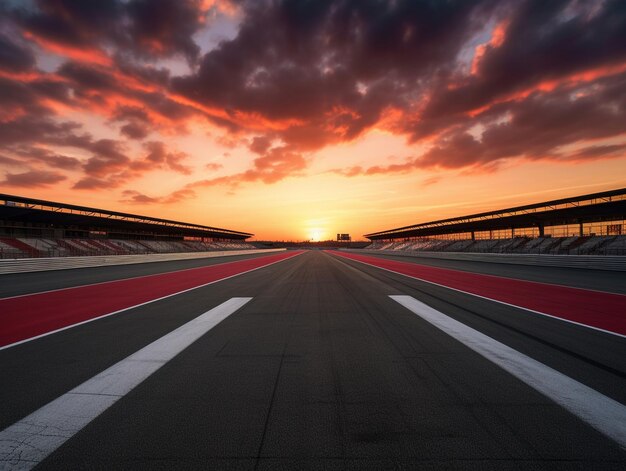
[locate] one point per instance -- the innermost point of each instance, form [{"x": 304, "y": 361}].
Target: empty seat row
[
  {"x": 584, "y": 245},
  {"x": 30, "y": 247}
]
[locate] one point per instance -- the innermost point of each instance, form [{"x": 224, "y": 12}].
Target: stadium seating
[
  {"x": 8, "y": 251},
  {"x": 21, "y": 247},
  {"x": 43, "y": 247},
  {"x": 574, "y": 245},
  {"x": 617, "y": 246}
]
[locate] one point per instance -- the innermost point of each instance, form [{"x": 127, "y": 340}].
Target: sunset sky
[{"x": 301, "y": 119}]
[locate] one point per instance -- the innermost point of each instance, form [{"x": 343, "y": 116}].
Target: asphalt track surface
[{"x": 320, "y": 369}]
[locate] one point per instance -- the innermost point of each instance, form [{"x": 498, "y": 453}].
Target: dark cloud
[
  {"x": 535, "y": 128},
  {"x": 135, "y": 130},
  {"x": 543, "y": 41},
  {"x": 135, "y": 197},
  {"x": 89, "y": 77},
  {"x": 29, "y": 127},
  {"x": 142, "y": 28},
  {"x": 260, "y": 144},
  {"x": 167, "y": 108},
  {"x": 72, "y": 22},
  {"x": 21, "y": 101},
  {"x": 133, "y": 113},
  {"x": 108, "y": 157},
  {"x": 4, "y": 160},
  {"x": 14, "y": 57},
  {"x": 323, "y": 72},
  {"x": 179, "y": 195},
  {"x": 143, "y": 71},
  {"x": 160, "y": 157},
  {"x": 48, "y": 158},
  {"x": 105, "y": 182},
  {"x": 32, "y": 179},
  {"x": 102, "y": 89},
  {"x": 93, "y": 183},
  {"x": 478, "y": 81},
  {"x": 275, "y": 165},
  {"x": 61, "y": 161},
  {"x": 592, "y": 152},
  {"x": 166, "y": 27}
]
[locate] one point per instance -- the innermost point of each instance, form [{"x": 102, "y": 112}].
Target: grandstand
[
  {"x": 37, "y": 228},
  {"x": 590, "y": 224}
]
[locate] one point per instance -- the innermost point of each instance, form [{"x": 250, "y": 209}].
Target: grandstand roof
[
  {"x": 36, "y": 211},
  {"x": 595, "y": 207}
]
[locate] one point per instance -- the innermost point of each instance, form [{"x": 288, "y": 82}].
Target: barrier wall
[
  {"x": 24, "y": 265},
  {"x": 594, "y": 262}
]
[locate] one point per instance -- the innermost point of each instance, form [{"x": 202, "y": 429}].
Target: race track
[{"x": 313, "y": 360}]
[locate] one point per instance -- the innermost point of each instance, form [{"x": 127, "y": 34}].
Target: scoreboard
[{"x": 343, "y": 238}]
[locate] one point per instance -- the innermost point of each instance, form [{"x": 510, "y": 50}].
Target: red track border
[
  {"x": 28, "y": 317},
  {"x": 598, "y": 310}
]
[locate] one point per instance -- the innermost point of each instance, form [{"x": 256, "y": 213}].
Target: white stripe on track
[
  {"x": 27, "y": 442},
  {"x": 602, "y": 413}
]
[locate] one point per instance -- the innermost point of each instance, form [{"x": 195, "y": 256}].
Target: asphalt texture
[
  {"x": 601, "y": 280},
  {"x": 321, "y": 370},
  {"x": 35, "y": 282}
]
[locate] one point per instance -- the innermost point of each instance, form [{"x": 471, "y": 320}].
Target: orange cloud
[
  {"x": 550, "y": 85},
  {"x": 497, "y": 38},
  {"x": 223, "y": 6},
  {"x": 89, "y": 55},
  {"x": 25, "y": 76}
]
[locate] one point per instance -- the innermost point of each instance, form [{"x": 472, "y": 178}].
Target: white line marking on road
[
  {"x": 492, "y": 299},
  {"x": 27, "y": 442},
  {"x": 602, "y": 413},
  {"x": 19, "y": 342}
]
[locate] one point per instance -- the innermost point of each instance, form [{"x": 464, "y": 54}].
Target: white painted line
[
  {"x": 141, "y": 304},
  {"x": 26, "y": 443},
  {"x": 602, "y": 413},
  {"x": 492, "y": 299}
]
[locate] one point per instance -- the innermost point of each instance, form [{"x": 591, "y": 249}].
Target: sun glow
[{"x": 315, "y": 234}]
